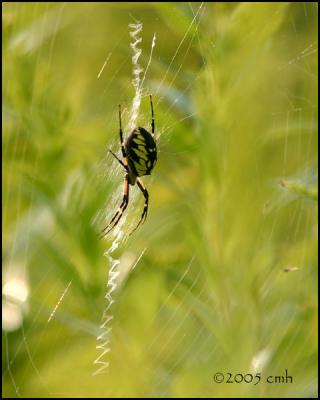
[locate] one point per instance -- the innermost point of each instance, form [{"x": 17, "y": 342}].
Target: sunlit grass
[{"x": 228, "y": 279}]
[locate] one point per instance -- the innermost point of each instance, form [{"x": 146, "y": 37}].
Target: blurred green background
[{"x": 226, "y": 279}]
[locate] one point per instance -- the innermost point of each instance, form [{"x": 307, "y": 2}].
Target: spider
[{"x": 139, "y": 155}]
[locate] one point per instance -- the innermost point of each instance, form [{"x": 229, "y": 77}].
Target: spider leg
[
  {"x": 118, "y": 159},
  {"x": 146, "y": 202},
  {"x": 116, "y": 218},
  {"x": 152, "y": 115},
  {"x": 124, "y": 155}
]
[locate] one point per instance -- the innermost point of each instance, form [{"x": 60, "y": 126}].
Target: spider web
[{"x": 180, "y": 341}]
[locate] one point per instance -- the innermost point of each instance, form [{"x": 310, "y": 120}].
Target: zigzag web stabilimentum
[{"x": 119, "y": 235}]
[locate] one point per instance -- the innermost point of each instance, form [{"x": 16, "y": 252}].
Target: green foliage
[{"x": 228, "y": 276}]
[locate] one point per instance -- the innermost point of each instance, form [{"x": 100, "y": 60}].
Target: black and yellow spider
[{"x": 139, "y": 155}]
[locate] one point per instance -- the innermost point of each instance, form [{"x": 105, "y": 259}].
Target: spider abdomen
[{"x": 141, "y": 150}]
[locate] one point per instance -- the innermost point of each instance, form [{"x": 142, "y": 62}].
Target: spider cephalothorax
[{"x": 139, "y": 155}]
